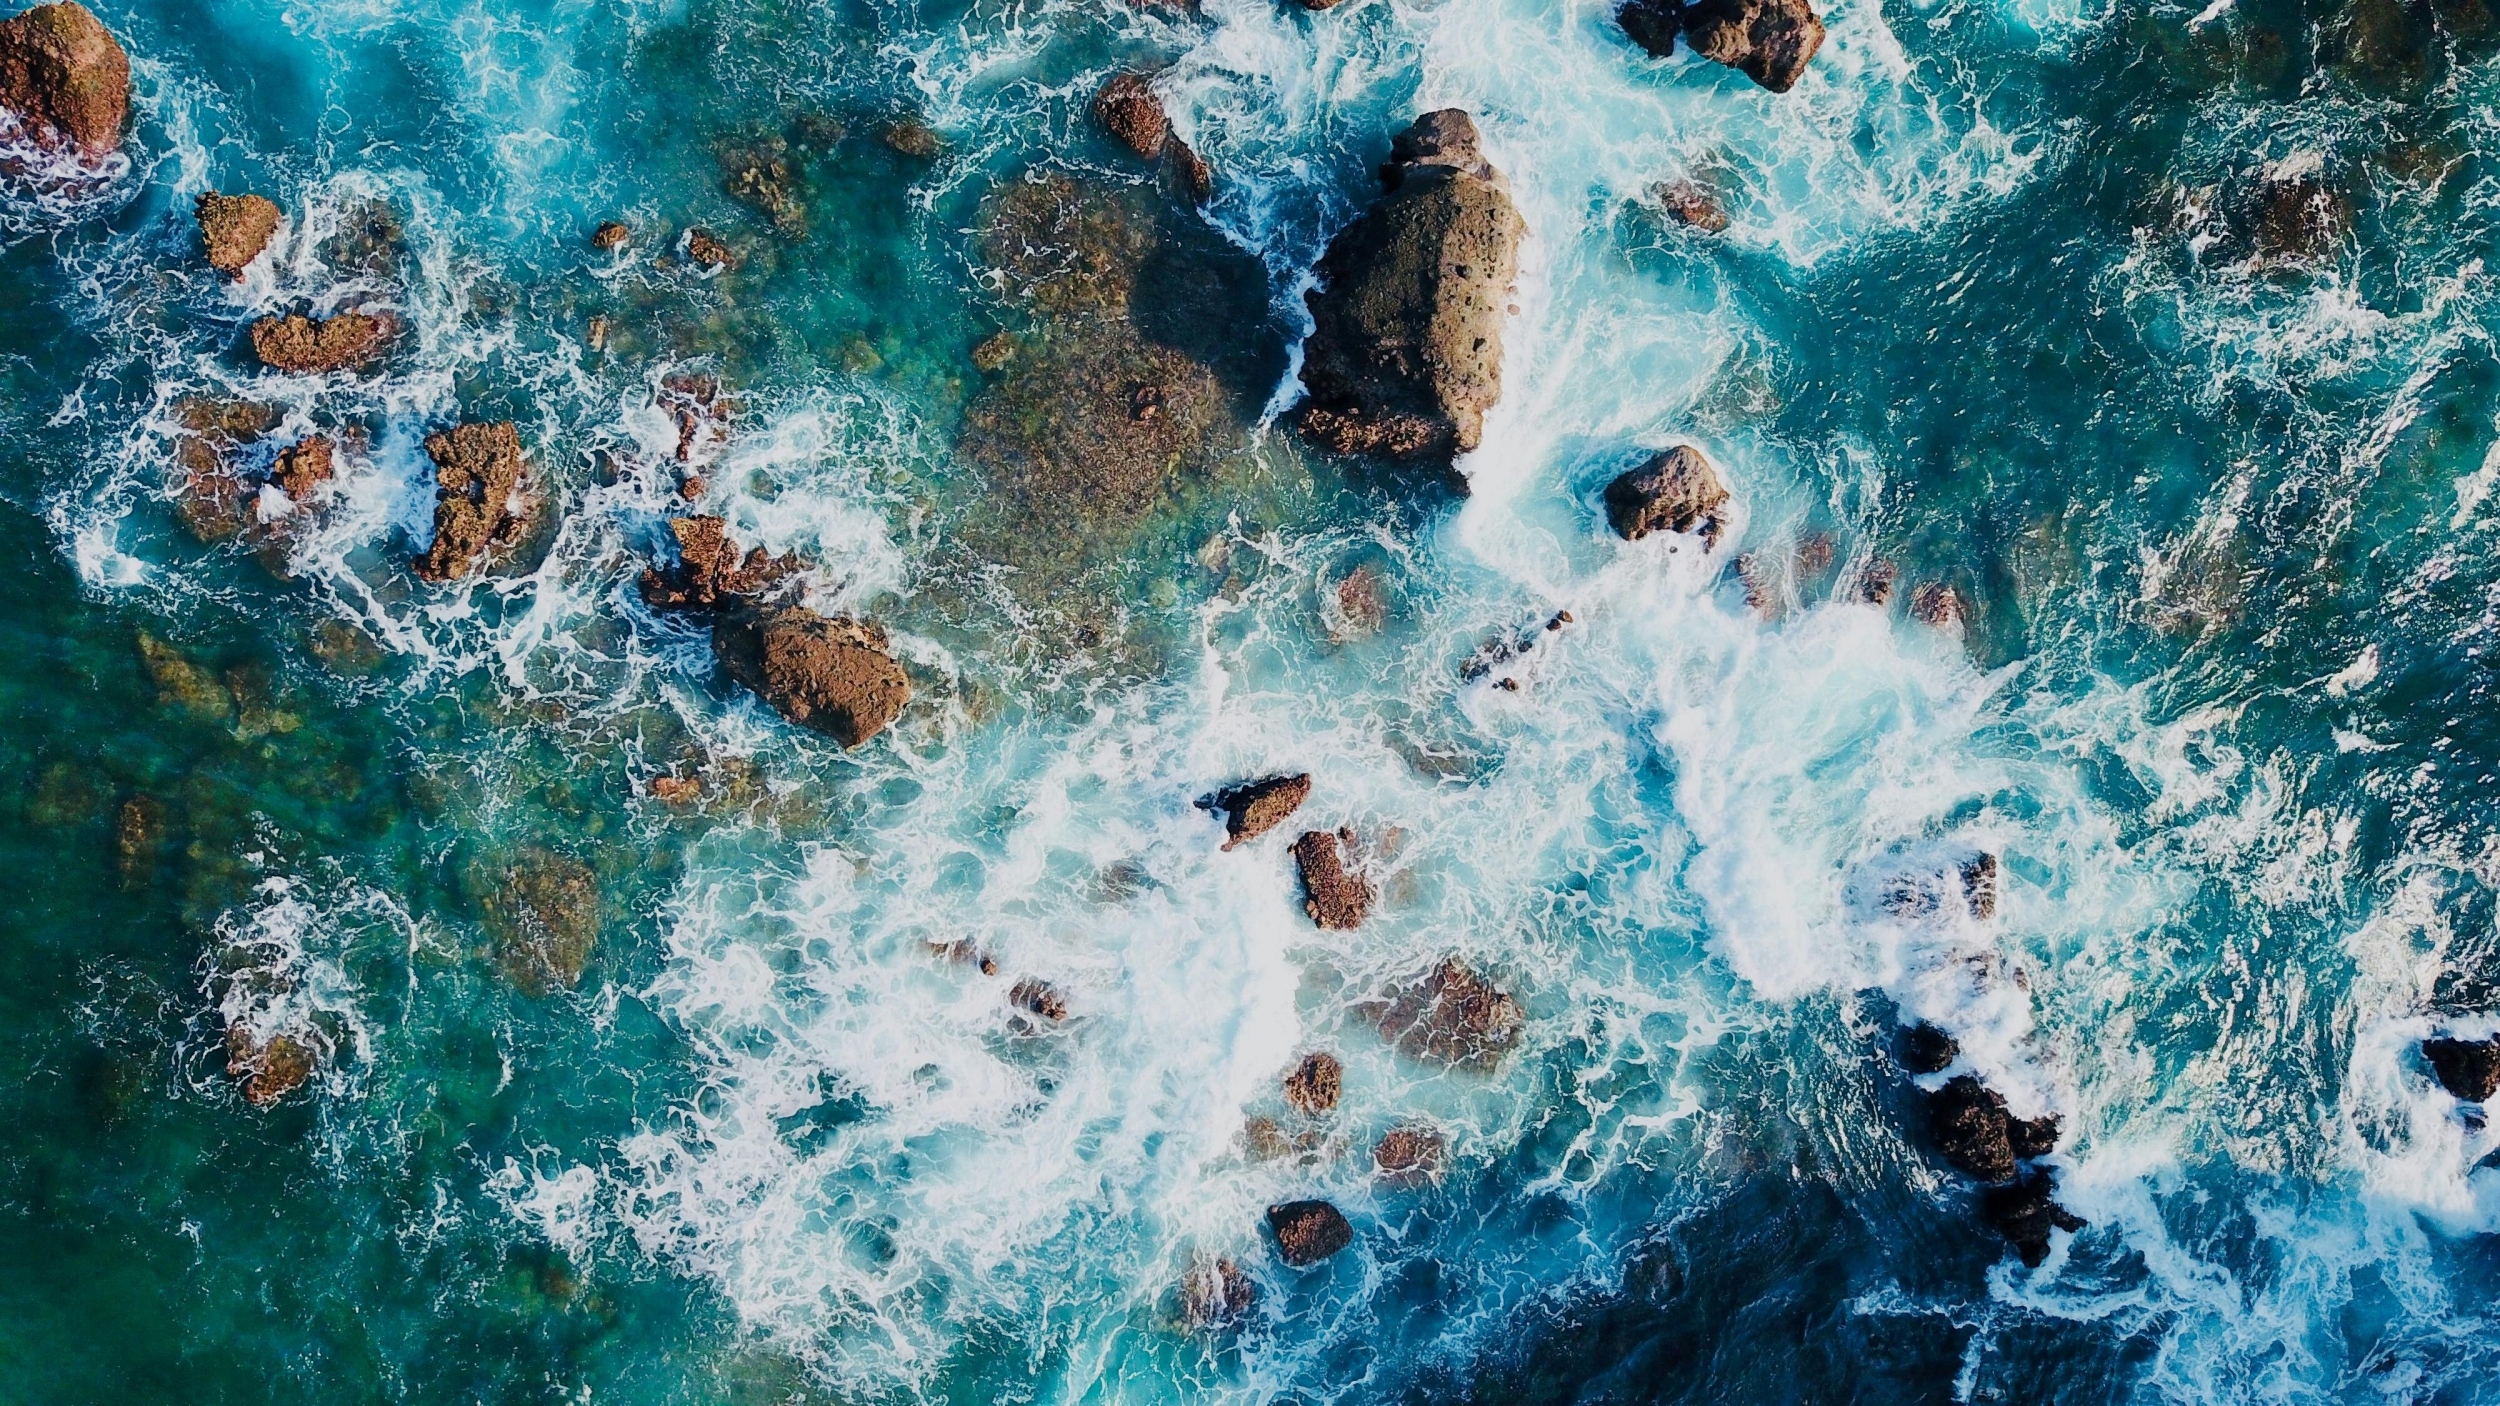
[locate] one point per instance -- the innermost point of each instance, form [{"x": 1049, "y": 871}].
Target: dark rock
[
  {"x": 235, "y": 228},
  {"x": 1253, "y": 808},
  {"x": 611, "y": 235},
  {"x": 1676, "y": 491},
  {"x": 65, "y": 79},
  {"x": 1874, "y": 584},
  {"x": 1308, "y": 1231},
  {"x": 1925, "y": 1049},
  {"x": 1769, "y": 41},
  {"x": 1451, "y": 1015},
  {"x": 306, "y": 346},
  {"x": 1691, "y": 204},
  {"x": 913, "y": 138},
  {"x": 2469, "y": 1069},
  {"x": 1333, "y": 894},
  {"x": 832, "y": 674},
  {"x": 709, "y": 570},
  {"x": 1315, "y": 1083},
  {"x": 1410, "y": 1157},
  {"x": 1979, "y": 885},
  {"x": 483, "y": 503},
  {"x": 269, "y": 1069},
  {"x": 2299, "y": 219},
  {"x": 1975, "y": 1133},
  {"x": 1939, "y": 605},
  {"x": 542, "y": 909},
  {"x": 2032, "y": 1137},
  {"x": 1653, "y": 24},
  {"x": 1215, "y": 1293},
  {"x": 2024, "y": 1212},
  {"x": 1037, "y": 997},
  {"x": 1405, "y": 353},
  {"x": 1129, "y": 110}
]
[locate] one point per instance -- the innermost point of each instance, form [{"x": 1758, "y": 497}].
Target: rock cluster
[
  {"x": 235, "y": 228},
  {"x": 484, "y": 504},
  {"x": 1769, "y": 41},
  {"x": 1973, "y": 1130},
  {"x": 709, "y": 571},
  {"x": 1405, "y": 352},
  {"x": 65, "y": 79}
]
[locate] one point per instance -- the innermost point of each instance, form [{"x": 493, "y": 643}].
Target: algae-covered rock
[
  {"x": 1452, "y": 1016},
  {"x": 832, "y": 674},
  {"x": 1334, "y": 893},
  {"x": 542, "y": 910},
  {"x": 268, "y": 1069},
  {"x": 709, "y": 570},
  {"x": 65, "y": 79},
  {"x": 306, "y": 346},
  {"x": 1308, "y": 1232},
  {"x": 235, "y": 228},
  {"x": 483, "y": 502}
]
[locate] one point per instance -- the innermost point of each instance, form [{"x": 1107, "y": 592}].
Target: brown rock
[
  {"x": 709, "y": 250},
  {"x": 829, "y": 674},
  {"x": 1939, "y": 605},
  {"x": 1410, "y": 1157},
  {"x": 65, "y": 79},
  {"x": 1253, "y": 808},
  {"x": 235, "y": 228},
  {"x": 913, "y": 138},
  {"x": 709, "y": 570},
  {"x": 1334, "y": 896},
  {"x": 1129, "y": 110},
  {"x": 1692, "y": 204},
  {"x": 483, "y": 504},
  {"x": 303, "y": 468},
  {"x": 138, "y": 832},
  {"x": 1769, "y": 41},
  {"x": 1405, "y": 353},
  {"x": 1977, "y": 1135},
  {"x": 702, "y": 413},
  {"x": 1196, "y": 177},
  {"x": 1875, "y": 583},
  {"x": 1453, "y": 1016},
  {"x": 542, "y": 910},
  {"x": 1926, "y": 1049},
  {"x": 1315, "y": 1083},
  {"x": 1308, "y": 1232},
  {"x": 306, "y": 346},
  {"x": 270, "y": 1069},
  {"x": 1215, "y": 1293},
  {"x": 215, "y": 495},
  {"x": 1034, "y": 996},
  {"x": 1676, "y": 491},
  {"x": 1979, "y": 885},
  {"x": 612, "y": 235},
  {"x": 2468, "y": 1069},
  {"x": 994, "y": 352}
]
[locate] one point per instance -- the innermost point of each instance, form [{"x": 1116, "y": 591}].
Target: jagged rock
[
  {"x": 1037, "y": 997},
  {"x": 1405, "y": 352},
  {"x": 832, "y": 674},
  {"x": 1874, "y": 584},
  {"x": 1691, "y": 204},
  {"x": 710, "y": 250},
  {"x": 1939, "y": 605},
  {"x": 756, "y": 171},
  {"x": 2024, "y": 1212},
  {"x": 611, "y": 235},
  {"x": 1253, "y": 808},
  {"x": 703, "y": 414},
  {"x": 1452, "y": 1015},
  {"x": 1333, "y": 895},
  {"x": 306, "y": 346},
  {"x": 65, "y": 79},
  {"x": 2031, "y": 1137},
  {"x": 235, "y": 228},
  {"x": 1128, "y": 109},
  {"x": 1308, "y": 1232},
  {"x": 1410, "y": 1157},
  {"x": 215, "y": 498},
  {"x": 709, "y": 570},
  {"x": 2469, "y": 1069},
  {"x": 1769, "y": 41},
  {"x": 269, "y": 1069},
  {"x": 1315, "y": 1083},
  {"x": 1215, "y": 1292},
  {"x": 1925, "y": 1049},
  {"x": 1975, "y": 1133},
  {"x": 1506, "y": 659},
  {"x": 542, "y": 909},
  {"x": 1979, "y": 885},
  {"x": 1652, "y": 24},
  {"x": 483, "y": 503},
  {"x": 1676, "y": 491}
]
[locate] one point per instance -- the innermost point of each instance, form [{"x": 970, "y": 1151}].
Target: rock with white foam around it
[
  {"x": 1308, "y": 1232},
  {"x": 1677, "y": 490},
  {"x": 65, "y": 80},
  {"x": 2469, "y": 1069}
]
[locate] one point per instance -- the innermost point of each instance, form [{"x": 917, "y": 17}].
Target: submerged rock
[
  {"x": 1308, "y": 1232},
  {"x": 1335, "y": 896},
  {"x": 1405, "y": 352},
  {"x": 709, "y": 571},
  {"x": 483, "y": 504},
  {"x": 1410, "y": 1157},
  {"x": 1691, "y": 204},
  {"x": 710, "y": 250},
  {"x": 914, "y": 138},
  {"x": 1925, "y": 1049},
  {"x": 1676, "y": 491},
  {"x": 215, "y": 494},
  {"x": 65, "y": 79},
  {"x": 1036, "y": 997},
  {"x": 2299, "y": 218},
  {"x": 1769, "y": 41},
  {"x": 2469, "y": 1069},
  {"x": 542, "y": 909},
  {"x": 1253, "y": 808},
  {"x": 1941, "y": 606},
  {"x": 1979, "y": 885},
  {"x": 236, "y": 228},
  {"x": 1215, "y": 1293},
  {"x": 269, "y": 1069},
  {"x": 1453, "y": 1016},
  {"x": 305, "y": 346},
  {"x": 831, "y": 674},
  {"x": 2024, "y": 1212},
  {"x": 1316, "y": 1083},
  {"x": 1976, "y": 1134}
]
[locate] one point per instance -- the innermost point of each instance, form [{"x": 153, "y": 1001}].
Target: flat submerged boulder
[
  {"x": 1452, "y": 1016},
  {"x": 65, "y": 79},
  {"x": 828, "y": 673},
  {"x": 1405, "y": 352}
]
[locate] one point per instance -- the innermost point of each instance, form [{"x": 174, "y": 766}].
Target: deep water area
[{"x": 435, "y": 979}]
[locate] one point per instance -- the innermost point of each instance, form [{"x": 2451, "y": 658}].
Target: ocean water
[{"x": 1999, "y": 308}]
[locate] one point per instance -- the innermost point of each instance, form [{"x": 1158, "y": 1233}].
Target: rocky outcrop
[
  {"x": 1925, "y": 1049},
  {"x": 1334, "y": 895},
  {"x": 1128, "y": 109},
  {"x": 2024, "y": 1212},
  {"x": 1405, "y": 352},
  {"x": 709, "y": 571},
  {"x": 611, "y": 235},
  {"x": 1979, "y": 885},
  {"x": 542, "y": 910},
  {"x": 235, "y": 228},
  {"x": 65, "y": 79},
  {"x": 1676, "y": 491},
  {"x": 831, "y": 674},
  {"x": 2469, "y": 1069},
  {"x": 1453, "y": 1016},
  {"x": 306, "y": 346},
  {"x": 1253, "y": 808},
  {"x": 268, "y": 1069},
  {"x": 1410, "y": 1157},
  {"x": 1308, "y": 1232},
  {"x": 1976, "y": 1134},
  {"x": 1652, "y": 24},
  {"x": 1316, "y": 1083},
  {"x": 1769, "y": 41},
  {"x": 1939, "y": 605},
  {"x": 1216, "y": 1293},
  {"x": 483, "y": 502},
  {"x": 710, "y": 250}
]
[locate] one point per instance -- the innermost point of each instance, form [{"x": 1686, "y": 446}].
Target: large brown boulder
[
  {"x": 1769, "y": 41},
  {"x": 710, "y": 571},
  {"x": 832, "y": 674},
  {"x": 1308, "y": 1231},
  {"x": 235, "y": 228},
  {"x": 1253, "y": 808},
  {"x": 483, "y": 504},
  {"x": 1316, "y": 1083},
  {"x": 65, "y": 79},
  {"x": 2469, "y": 1069},
  {"x": 1676, "y": 491},
  {"x": 1405, "y": 352},
  {"x": 1129, "y": 110},
  {"x": 1334, "y": 894},
  {"x": 308, "y": 346},
  {"x": 1452, "y": 1016}
]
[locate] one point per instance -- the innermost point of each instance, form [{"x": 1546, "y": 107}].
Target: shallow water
[{"x": 1997, "y": 307}]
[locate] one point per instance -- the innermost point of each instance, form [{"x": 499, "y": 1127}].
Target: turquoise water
[{"x": 2000, "y": 304}]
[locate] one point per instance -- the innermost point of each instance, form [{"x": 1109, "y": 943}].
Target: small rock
[
  {"x": 1128, "y": 109},
  {"x": 1196, "y": 177},
  {"x": 1769, "y": 41},
  {"x": 1335, "y": 897},
  {"x": 1034, "y": 996},
  {"x": 1874, "y": 584},
  {"x": 709, "y": 250},
  {"x": 1410, "y": 1157},
  {"x": 1676, "y": 491},
  {"x": 269, "y": 1069},
  {"x": 674, "y": 790},
  {"x": 1216, "y": 1293},
  {"x": 1308, "y": 1232},
  {"x": 611, "y": 235},
  {"x": 709, "y": 571},
  {"x": 303, "y": 468},
  {"x": 1979, "y": 885},
  {"x": 65, "y": 79},
  {"x": 482, "y": 500},
  {"x": 963, "y": 951},
  {"x": 542, "y": 910},
  {"x": 1355, "y": 607},
  {"x": 236, "y": 228},
  {"x": 138, "y": 832},
  {"x": 1939, "y": 605},
  {"x": 305, "y": 346},
  {"x": 1253, "y": 808},
  {"x": 2469, "y": 1069},
  {"x": 832, "y": 674},
  {"x": 1691, "y": 204},
  {"x": 1926, "y": 1049},
  {"x": 1315, "y": 1083},
  {"x": 2024, "y": 1212},
  {"x": 1453, "y": 1016}
]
